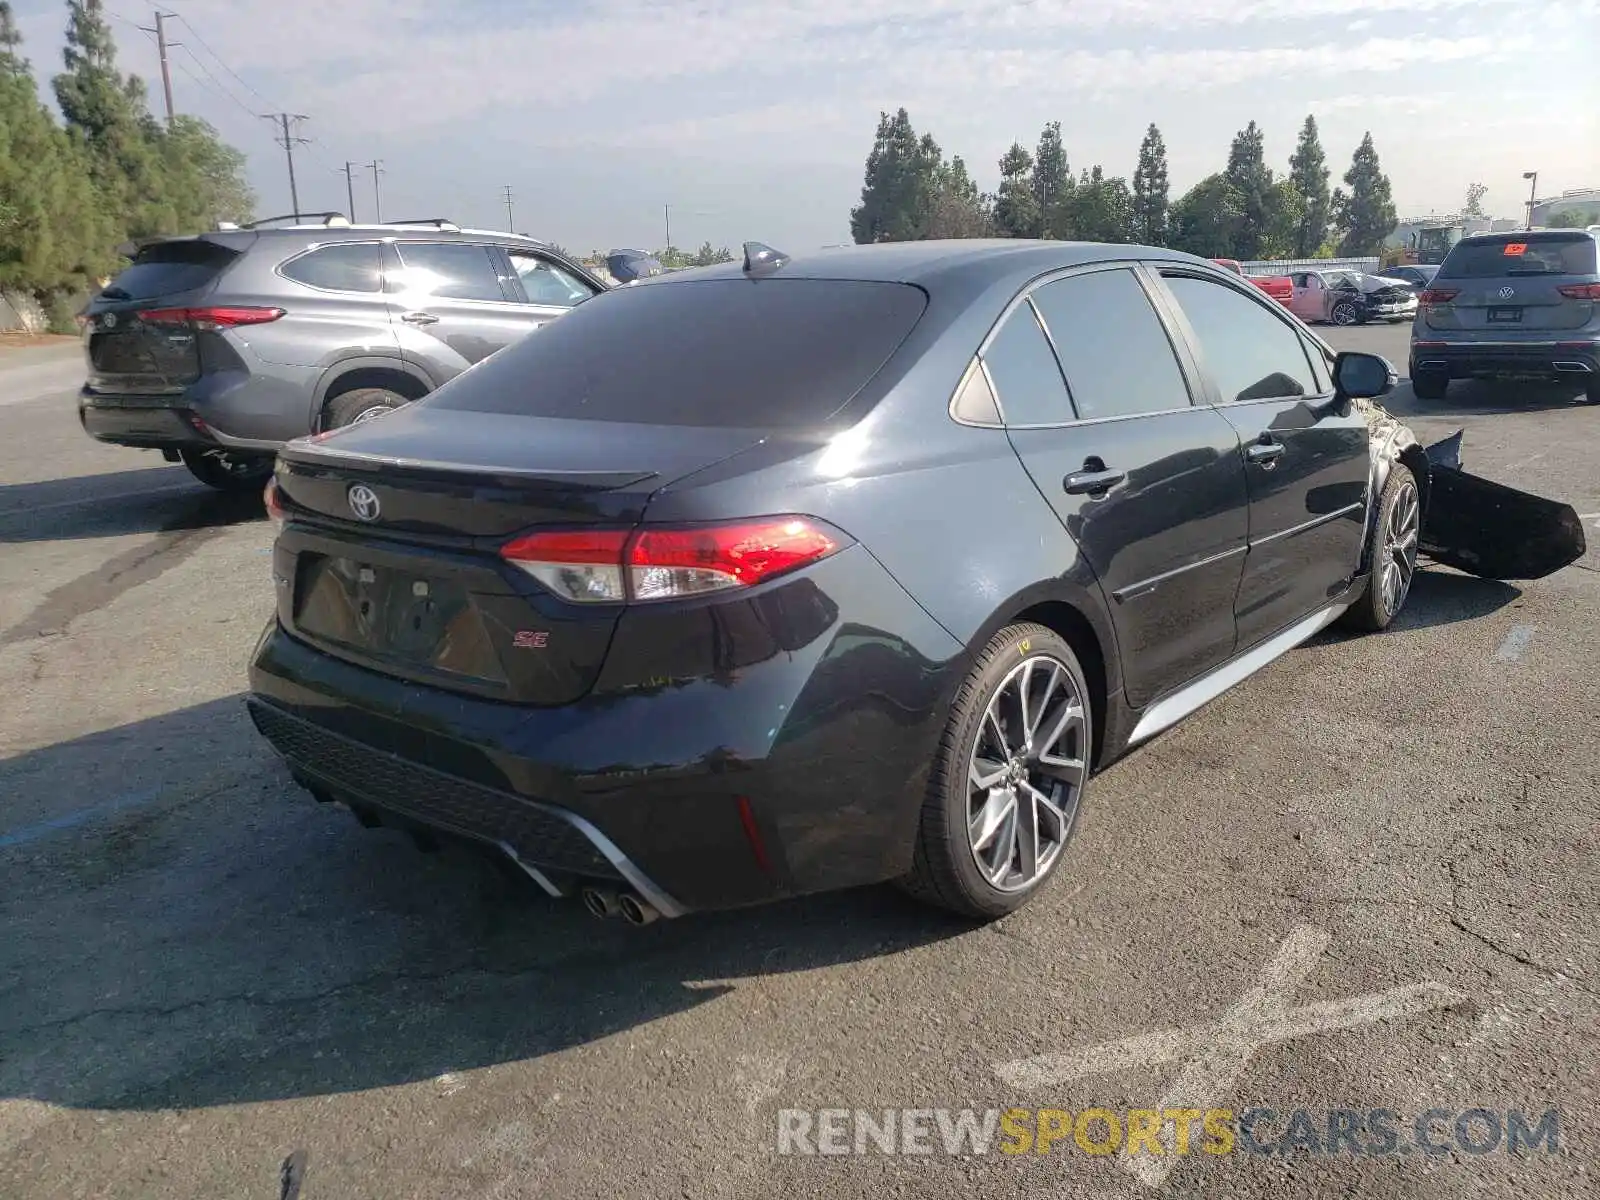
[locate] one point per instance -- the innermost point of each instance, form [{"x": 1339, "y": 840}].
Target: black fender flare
[{"x": 337, "y": 370}]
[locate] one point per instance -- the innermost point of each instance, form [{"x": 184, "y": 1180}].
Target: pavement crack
[{"x": 1518, "y": 956}]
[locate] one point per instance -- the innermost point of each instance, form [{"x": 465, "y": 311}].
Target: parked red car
[{"x": 1279, "y": 287}]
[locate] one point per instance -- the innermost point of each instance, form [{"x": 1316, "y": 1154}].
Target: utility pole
[
  {"x": 288, "y": 141},
  {"x": 162, "y": 45},
  {"x": 666, "y": 211},
  {"x": 350, "y": 188},
  {"x": 1533, "y": 192},
  {"x": 511, "y": 224},
  {"x": 376, "y": 167}
]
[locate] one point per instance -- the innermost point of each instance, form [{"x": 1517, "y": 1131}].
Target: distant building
[{"x": 1585, "y": 201}]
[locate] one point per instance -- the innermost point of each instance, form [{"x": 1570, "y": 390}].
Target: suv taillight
[
  {"x": 1580, "y": 291},
  {"x": 1438, "y": 295},
  {"x": 273, "y": 500},
  {"x": 210, "y": 319},
  {"x": 612, "y": 566}
]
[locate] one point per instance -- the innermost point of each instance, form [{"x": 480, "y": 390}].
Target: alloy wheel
[
  {"x": 1399, "y": 563},
  {"x": 1026, "y": 773},
  {"x": 1344, "y": 314}
]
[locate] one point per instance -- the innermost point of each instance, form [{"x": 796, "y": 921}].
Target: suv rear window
[
  {"x": 343, "y": 267},
  {"x": 1520, "y": 254},
  {"x": 168, "y": 268},
  {"x": 769, "y": 353}
]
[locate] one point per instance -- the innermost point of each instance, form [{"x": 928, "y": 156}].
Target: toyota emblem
[
  {"x": 1507, "y": 292},
  {"x": 363, "y": 502}
]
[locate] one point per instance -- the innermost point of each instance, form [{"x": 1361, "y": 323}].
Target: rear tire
[
  {"x": 1429, "y": 385},
  {"x": 360, "y": 404},
  {"x": 1391, "y": 555},
  {"x": 1008, "y": 777},
  {"x": 229, "y": 472},
  {"x": 1591, "y": 394}
]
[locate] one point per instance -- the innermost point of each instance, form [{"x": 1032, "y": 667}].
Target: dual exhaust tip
[{"x": 606, "y": 902}]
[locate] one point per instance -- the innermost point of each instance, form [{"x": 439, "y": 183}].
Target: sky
[{"x": 753, "y": 120}]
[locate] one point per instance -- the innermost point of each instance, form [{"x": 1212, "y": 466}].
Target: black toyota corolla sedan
[{"x": 802, "y": 573}]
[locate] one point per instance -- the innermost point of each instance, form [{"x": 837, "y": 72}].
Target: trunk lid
[
  {"x": 1511, "y": 284},
  {"x": 413, "y": 584},
  {"x": 130, "y": 354}
]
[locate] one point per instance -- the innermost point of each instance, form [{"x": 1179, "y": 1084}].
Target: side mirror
[{"x": 1358, "y": 376}]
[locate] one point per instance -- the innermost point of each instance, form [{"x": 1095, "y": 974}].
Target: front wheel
[
  {"x": 1391, "y": 556},
  {"x": 1345, "y": 313},
  {"x": 1008, "y": 777},
  {"x": 229, "y": 472}
]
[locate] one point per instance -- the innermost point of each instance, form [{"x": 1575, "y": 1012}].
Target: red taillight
[
  {"x": 582, "y": 565},
  {"x": 210, "y": 319},
  {"x": 1580, "y": 291},
  {"x": 276, "y": 513},
  {"x": 610, "y": 566},
  {"x": 1438, "y": 295}
]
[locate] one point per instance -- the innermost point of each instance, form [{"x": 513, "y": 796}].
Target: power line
[
  {"x": 216, "y": 84},
  {"x": 222, "y": 61}
]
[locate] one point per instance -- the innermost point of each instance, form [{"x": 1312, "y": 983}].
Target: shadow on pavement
[
  {"x": 221, "y": 938},
  {"x": 1440, "y": 596},
  {"x": 1483, "y": 398},
  {"x": 119, "y": 503}
]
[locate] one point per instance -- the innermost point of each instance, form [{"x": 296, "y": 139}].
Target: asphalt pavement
[{"x": 1363, "y": 880}]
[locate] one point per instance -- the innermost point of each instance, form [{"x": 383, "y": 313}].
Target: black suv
[{"x": 218, "y": 348}]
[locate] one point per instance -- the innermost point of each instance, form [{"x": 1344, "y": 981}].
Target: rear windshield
[
  {"x": 1520, "y": 254},
  {"x": 770, "y": 353},
  {"x": 169, "y": 268}
]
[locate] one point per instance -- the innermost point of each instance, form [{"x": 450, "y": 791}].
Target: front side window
[
  {"x": 1250, "y": 351},
  {"x": 547, "y": 284}
]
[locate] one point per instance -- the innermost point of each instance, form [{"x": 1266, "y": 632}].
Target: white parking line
[
  {"x": 1219, "y": 1051},
  {"x": 1516, "y": 644}
]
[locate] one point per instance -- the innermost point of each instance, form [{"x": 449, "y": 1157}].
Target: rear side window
[
  {"x": 768, "y": 353},
  {"x": 446, "y": 271},
  {"x": 1112, "y": 346},
  {"x": 169, "y": 268},
  {"x": 1250, "y": 351},
  {"x": 1520, "y": 254},
  {"x": 351, "y": 267},
  {"x": 1025, "y": 372}
]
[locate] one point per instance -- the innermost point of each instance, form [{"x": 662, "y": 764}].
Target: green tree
[
  {"x": 1052, "y": 178},
  {"x": 53, "y": 237},
  {"x": 959, "y": 210},
  {"x": 1569, "y": 218},
  {"x": 1016, "y": 211},
  {"x": 1286, "y": 219},
  {"x": 1248, "y": 174},
  {"x": 1100, "y": 209},
  {"x": 1151, "y": 190},
  {"x": 1474, "y": 205},
  {"x": 1207, "y": 220},
  {"x": 708, "y": 256},
  {"x": 901, "y": 177},
  {"x": 1367, "y": 215},
  {"x": 204, "y": 175},
  {"x": 1308, "y": 171}
]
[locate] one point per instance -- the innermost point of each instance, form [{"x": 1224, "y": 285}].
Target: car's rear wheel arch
[
  {"x": 389, "y": 378},
  {"x": 1069, "y": 623}
]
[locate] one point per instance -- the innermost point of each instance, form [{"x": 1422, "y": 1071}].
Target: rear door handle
[
  {"x": 1092, "y": 483},
  {"x": 1265, "y": 454},
  {"x": 419, "y": 318}
]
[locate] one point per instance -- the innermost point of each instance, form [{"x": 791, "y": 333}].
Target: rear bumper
[
  {"x": 1507, "y": 360},
  {"x": 801, "y": 771}
]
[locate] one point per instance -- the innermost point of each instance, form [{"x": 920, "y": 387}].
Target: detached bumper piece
[{"x": 1491, "y": 530}]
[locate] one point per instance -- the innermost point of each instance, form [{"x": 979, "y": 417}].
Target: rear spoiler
[{"x": 231, "y": 239}]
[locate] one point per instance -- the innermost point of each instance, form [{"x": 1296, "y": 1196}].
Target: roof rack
[
  {"x": 441, "y": 223},
  {"x": 316, "y": 218}
]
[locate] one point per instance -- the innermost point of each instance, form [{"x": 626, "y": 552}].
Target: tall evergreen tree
[
  {"x": 1208, "y": 219},
  {"x": 1052, "y": 178},
  {"x": 1150, "y": 190},
  {"x": 1368, "y": 215},
  {"x": 897, "y": 193},
  {"x": 1308, "y": 171},
  {"x": 1100, "y": 209},
  {"x": 959, "y": 210},
  {"x": 1016, "y": 212},
  {"x": 1247, "y": 172}
]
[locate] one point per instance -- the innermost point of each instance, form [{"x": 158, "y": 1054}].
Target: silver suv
[
  {"x": 1523, "y": 305},
  {"x": 216, "y": 349}
]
